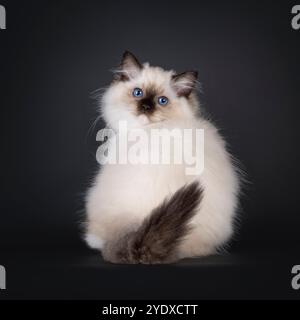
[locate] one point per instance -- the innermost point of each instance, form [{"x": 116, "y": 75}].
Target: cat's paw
[{"x": 93, "y": 241}]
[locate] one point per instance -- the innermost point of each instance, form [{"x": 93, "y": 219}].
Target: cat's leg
[
  {"x": 94, "y": 235},
  {"x": 208, "y": 236},
  {"x": 195, "y": 246},
  {"x": 94, "y": 241}
]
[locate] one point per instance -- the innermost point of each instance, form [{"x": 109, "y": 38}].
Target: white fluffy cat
[{"x": 156, "y": 213}]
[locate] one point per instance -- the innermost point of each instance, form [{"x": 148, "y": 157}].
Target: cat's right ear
[
  {"x": 184, "y": 83},
  {"x": 129, "y": 68}
]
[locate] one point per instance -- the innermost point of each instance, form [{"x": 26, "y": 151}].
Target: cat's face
[{"x": 142, "y": 95}]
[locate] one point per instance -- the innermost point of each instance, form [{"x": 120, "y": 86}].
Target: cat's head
[{"x": 141, "y": 94}]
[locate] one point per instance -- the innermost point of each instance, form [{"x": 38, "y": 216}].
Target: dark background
[{"x": 54, "y": 54}]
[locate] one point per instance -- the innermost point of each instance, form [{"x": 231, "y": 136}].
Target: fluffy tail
[{"x": 158, "y": 236}]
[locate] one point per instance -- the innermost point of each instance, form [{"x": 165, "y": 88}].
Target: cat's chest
[{"x": 141, "y": 186}]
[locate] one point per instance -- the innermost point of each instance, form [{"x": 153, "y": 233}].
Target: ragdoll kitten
[{"x": 155, "y": 213}]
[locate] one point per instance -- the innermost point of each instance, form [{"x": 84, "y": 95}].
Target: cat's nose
[{"x": 146, "y": 107}]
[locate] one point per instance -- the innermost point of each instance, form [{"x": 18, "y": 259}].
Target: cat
[{"x": 153, "y": 214}]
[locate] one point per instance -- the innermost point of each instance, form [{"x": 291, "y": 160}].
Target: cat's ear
[
  {"x": 184, "y": 83},
  {"x": 129, "y": 68}
]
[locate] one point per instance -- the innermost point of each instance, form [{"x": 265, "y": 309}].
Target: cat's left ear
[
  {"x": 129, "y": 68},
  {"x": 184, "y": 83}
]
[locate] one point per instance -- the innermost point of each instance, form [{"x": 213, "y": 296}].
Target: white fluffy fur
[{"x": 123, "y": 195}]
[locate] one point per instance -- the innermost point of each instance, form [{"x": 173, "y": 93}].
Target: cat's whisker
[{"x": 98, "y": 93}]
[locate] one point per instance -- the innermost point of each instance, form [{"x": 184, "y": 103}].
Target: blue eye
[
  {"x": 163, "y": 101},
  {"x": 137, "y": 92}
]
